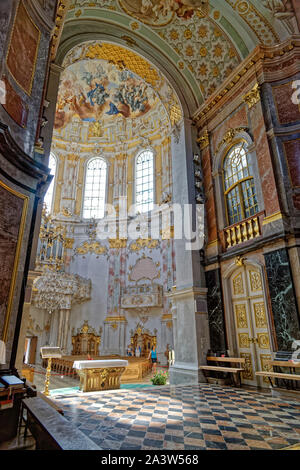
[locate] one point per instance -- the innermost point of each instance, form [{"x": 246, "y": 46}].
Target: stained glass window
[
  {"x": 144, "y": 182},
  {"x": 95, "y": 189},
  {"x": 240, "y": 192},
  {"x": 49, "y": 194}
]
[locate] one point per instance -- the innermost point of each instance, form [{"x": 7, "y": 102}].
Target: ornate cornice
[
  {"x": 266, "y": 62},
  {"x": 61, "y": 12}
]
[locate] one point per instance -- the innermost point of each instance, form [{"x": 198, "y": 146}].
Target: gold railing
[{"x": 244, "y": 231}]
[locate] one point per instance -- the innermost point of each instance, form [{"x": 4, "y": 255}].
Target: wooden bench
[
  {"x": 231, "y": 370},
  {"x": 279, "y": 375}
]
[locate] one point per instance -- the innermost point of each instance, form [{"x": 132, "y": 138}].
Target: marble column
[{"x": 189, "y": 297}]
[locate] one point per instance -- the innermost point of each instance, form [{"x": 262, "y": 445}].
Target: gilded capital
[
  {"x": 203, "y": 141},
  {"x": 253, "y": 96}
]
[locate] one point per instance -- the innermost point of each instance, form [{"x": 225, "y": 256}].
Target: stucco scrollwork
[{"x": 57, "y": 290}]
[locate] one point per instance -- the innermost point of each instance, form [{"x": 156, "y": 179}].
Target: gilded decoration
[
  {"x": 265, "y": 365},
  {"x": 238, "y": 285},
  {"x": 239, "y": 261},
  {"x": 86, "y": 341},
  {"x": 91, "y": 246},
  {"x": 124, "y": 59},
  {"x": 117, "y": 243},
  {"x": 263, "y": 340},
  {"x": 248, "y": 368},
  {"x": 229, "y": 137},
  {"x": 96, "y": 129},
  {"x": 260, "y": 315},
  {"x": 253, "y": 96},
  {"x": 255, "y": 281},
  {"x": 69, "y": 242},
  {"x": 244, "y": 340},
  {"x": 241, "y": 316},
  {"x": 61, "y": 12},
  {"x": 203, "y": 141},
  {"x": 141, "y": 243}
]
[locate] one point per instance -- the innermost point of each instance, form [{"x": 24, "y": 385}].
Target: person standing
[{"x": 153, "y": 356}]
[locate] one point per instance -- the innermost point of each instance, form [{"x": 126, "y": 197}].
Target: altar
[
  {"x": 100, "y": 374},
  {"x": 137, "y": 369}
]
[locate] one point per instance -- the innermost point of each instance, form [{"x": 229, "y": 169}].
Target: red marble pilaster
[
  {"x": 210, "y": 206},
  {"x": 264, "y": 161}
]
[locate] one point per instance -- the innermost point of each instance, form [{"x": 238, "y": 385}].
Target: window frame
[
  {"x": 84, "y": 185},
  {"x": 54, "y": 181},
  {"x": 147, "y": 149},
  {"x": 238, "y": 184}
]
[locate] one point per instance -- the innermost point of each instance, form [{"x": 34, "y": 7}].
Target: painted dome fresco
[{"x": 94, "y": 90}]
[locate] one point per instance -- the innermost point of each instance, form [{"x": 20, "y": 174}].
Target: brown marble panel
[
  {"x": 23, "y": 49},
  {"x": 265, "y": 167},
  {"x": 287, "y": 111},
  {"x": 296, "y": 201},
  {"x": 12, "y": 211},
  {"x": 238, "y": 119},
  {"x": 14, "y": 105},
  {"x": 292, "y": 152}
]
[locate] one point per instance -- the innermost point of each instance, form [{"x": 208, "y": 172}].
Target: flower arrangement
[{"x": 160, "y": 378}]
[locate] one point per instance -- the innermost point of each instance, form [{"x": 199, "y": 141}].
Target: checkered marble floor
[{"x": 194, "y": 417}]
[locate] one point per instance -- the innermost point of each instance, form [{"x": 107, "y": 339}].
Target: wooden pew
[
  {"x": 286, "y": 377},
  {"x": 235, "y": 371}
]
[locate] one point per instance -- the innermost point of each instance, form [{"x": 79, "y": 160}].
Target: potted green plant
[{"x": 160, "y": 378}]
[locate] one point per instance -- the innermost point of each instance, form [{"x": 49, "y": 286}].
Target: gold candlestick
[{"x": 47, "y": 379}]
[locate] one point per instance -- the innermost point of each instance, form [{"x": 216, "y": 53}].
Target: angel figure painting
[
  {"x": 161, "y": 12},
  {"x": 93, "y": 90}
]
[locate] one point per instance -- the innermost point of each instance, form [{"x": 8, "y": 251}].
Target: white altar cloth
[{"x": 100, "y": 364}]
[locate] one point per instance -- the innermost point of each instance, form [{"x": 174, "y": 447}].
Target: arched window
[
  {"x": 95, "y": 189},
  {"x": 239, "y": 187},
  {"x": 144, "y": 181},
  {"x": 49, "y": 194}
]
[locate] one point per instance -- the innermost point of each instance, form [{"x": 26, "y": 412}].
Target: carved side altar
[
  {"x": 100, "y": 375},
  {"x": 86, "y": 341}
]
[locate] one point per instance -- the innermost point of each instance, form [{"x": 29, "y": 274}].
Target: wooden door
[{"x": 250, "y": 317}]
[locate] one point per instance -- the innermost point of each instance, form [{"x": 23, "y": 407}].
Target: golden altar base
[
  {"x": 95, "y": 380},
  {"x": 137, "y": 369}
]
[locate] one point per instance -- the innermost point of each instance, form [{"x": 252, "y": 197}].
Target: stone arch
[{"x": 190, "y": 294}]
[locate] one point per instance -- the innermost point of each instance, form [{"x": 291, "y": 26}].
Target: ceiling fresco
[
  {"x": 95, "y": 90},
  {"x": 108, "y": 95},
  {"x": 162, "y": 12},
  {"x": 205, "y": 39},
  {"x": 103, "y": 81}
]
